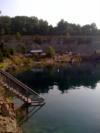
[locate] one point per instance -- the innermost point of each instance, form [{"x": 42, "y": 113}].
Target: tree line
[{"x": 34, "y": 26}]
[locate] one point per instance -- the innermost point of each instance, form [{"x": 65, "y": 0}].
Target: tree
[
  {"x": 34, "y": 26},
  {"x": 50, "y": 51},
  {"x": 62, "y": 27},
  {"x": 93, "y": 28},
  {"x": 5, "y": 25},
  {"x": 1, "y": 46},
  {"x": 18, "y": 35},
  {"x": 1, "y": 56},
  {"x": 11, "y": 51},
  {"x": 23, "y": 49},
  {"x": 43, "y": 27}
]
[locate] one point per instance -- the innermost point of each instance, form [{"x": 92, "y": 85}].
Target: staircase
[{"x": 20, "y": 90}]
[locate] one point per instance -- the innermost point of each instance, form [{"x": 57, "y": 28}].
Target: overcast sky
[{"x": 74, "y": 11}]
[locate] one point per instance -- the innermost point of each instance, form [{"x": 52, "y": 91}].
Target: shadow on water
[
  {"x": 65, "y": 77},
  {"x": 25, "y": 112}
]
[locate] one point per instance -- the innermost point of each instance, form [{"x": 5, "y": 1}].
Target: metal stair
[{"x": 20, "y": 90}]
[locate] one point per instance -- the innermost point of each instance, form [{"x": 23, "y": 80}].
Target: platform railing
[{"x": 11, "y": 82}]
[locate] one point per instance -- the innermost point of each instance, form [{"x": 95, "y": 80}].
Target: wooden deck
[{"x": 20, "y": 90}]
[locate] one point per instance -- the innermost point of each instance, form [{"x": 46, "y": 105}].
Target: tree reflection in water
[{"x": 65, "y": 77}]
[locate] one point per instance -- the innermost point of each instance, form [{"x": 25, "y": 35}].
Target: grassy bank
[
  {"x": 19, "y": 62},
  {"x": 16, "y": 63}
]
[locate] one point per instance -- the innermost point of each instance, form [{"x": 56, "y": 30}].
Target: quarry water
[{"x": 72, "y": 96}]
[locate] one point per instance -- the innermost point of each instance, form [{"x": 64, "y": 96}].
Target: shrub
[
  {"x": 50, "y": 51},
  {"x": 18, "y": 35},
  {"x": 1, "y": 56},
  {"x": 38, "y": 40}
]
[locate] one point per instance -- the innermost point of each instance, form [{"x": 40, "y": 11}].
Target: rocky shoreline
[{"x": 8, "y": 122}]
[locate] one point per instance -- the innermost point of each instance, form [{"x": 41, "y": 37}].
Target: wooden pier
[{"x": 20, "y": 90}]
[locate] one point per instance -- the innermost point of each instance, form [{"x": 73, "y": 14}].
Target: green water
[{"x": 72, "y": 96}]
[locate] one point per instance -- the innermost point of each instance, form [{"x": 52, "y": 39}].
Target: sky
[{"x": 74, "y": 11}]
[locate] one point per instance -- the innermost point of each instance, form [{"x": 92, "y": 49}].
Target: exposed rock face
[
  {"x": 7, "y": 125},
  {"x": 8, "y": 122}
]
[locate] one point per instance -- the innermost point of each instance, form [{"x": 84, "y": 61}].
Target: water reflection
[
  {"x": 25, "y": 112},
  {"x": 76, "y": 112},
  {"x": 65, "y": 77}
]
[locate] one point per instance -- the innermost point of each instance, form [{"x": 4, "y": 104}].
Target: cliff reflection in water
[{"x": 66, "y": 77}]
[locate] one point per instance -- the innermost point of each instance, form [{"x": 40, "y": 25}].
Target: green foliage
[
  {"x": 5, "y": 25},
  {"x": 38, "y": 40},
  {"x": 1, "y": 56},
  {"x": 2, "y": 31},
  {"x": 11, "y": 51},
  {"x": 50, "y": 51},
  {"x": 23, "y": 49},
  {"x": 5, "y": 52},
  {"x": 33, "y": 26},
  {"x": 18, "y": 35}
]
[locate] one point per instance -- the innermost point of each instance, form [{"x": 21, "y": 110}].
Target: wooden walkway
[{"x": 20, "y": 90}]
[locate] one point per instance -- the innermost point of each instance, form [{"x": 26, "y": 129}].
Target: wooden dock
[{"x": 20, "y": 90}]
